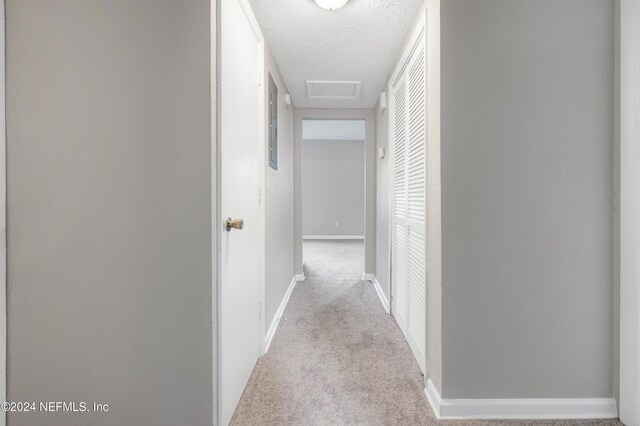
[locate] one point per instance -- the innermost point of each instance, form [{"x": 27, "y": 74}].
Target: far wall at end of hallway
[{"x": 333, "y": 179}]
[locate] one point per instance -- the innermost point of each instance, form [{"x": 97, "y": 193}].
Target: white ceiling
[{"x": 361, "y": 41}]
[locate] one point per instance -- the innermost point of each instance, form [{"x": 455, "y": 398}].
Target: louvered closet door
[
  {"x": 400, "y": 264},
  {"x": 409, "y": 255}
]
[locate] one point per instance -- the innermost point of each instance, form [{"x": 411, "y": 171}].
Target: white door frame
[
  {"x": 629, "y": 403},
  {"x": 216, "y": 216},
  {"x": 368, "y": 116},
  {"x": 3, "y": 223}
]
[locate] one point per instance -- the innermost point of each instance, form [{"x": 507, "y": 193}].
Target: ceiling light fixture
[{"x": 331, "y": 4}]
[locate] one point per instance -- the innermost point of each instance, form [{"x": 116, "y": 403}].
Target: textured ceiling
[{"x": 361, "y": 41}]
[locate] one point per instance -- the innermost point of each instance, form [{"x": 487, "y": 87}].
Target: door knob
[{"x": 234, "y": 223}]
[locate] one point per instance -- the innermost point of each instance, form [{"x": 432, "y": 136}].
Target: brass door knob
[{"x": 234, "y": 223}]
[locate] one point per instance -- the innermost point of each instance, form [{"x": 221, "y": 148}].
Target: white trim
[
  {"x": 333, "y": 237},
  {"x": 381, "y": 295},
  {"x": 433, "y": 396},
  {"x": 262, "y": 197},
  {"x": 300, "y": 277},
  {"x": 262, "y": 172},
  {"x": 3, "y": 224},
  {"x": 629, "y": 212},
  {"x": 537, "y": 408},
  {"x": 251, "y": 18},
  {"x": 411, "y": 46},
  {"x": 376, "y": 285},
  {"x": 216, "y": 204},
  {"x": 367, "y": 277},
  {"x": 276, "y": 319}
]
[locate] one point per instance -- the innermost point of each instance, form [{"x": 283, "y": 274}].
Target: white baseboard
[
  {"x": 276, "y": 319},
  {"x": 542, "y": 408},
  {"x": 381, "y": 295},
  {"x": 368, "y": 277},
  {"x": 333, "y": 237}
]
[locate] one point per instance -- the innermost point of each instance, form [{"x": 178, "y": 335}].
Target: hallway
[
  {"x": 208, "y": 205},
  {"x": 337, "y": 357}
]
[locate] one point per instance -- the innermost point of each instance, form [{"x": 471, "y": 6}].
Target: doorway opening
[{"x": 333, "y": 196}]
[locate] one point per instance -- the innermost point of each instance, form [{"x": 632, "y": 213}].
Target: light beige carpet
[{"x": 338, "y": 358}]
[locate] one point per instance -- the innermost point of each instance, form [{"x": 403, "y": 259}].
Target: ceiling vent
[{"x": 333, "y": 89}]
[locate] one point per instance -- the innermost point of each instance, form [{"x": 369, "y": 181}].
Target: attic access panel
[{"x": 345, "y": 90}]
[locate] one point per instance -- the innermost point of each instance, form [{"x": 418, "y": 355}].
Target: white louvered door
[
  {"x": 409, "y": 218},
  {"x": 399, "y": 251}
]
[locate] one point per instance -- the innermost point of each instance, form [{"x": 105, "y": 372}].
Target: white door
[
  {"x": 409, "y": 186},
  {"x": 240, "y": 141}
]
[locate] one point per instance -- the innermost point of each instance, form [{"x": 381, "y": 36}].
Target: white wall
[
  {"x": 629, "y": 403},
  {"x": 527, "y": 154},
  {"x": 333, "y": 188},
  {"x": 279, "y": 201},
  {"x": 109, "y": 209}
]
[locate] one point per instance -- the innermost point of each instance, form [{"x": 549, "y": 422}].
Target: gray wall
[
  {"x": 333, "y": 188},
  {"x": 279, "y": 203},
  {"x": 382, "y": 197},
  {"x": 109, "y": 194},
  {"x": 527, "y": 142}
]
